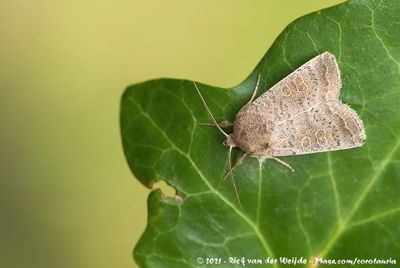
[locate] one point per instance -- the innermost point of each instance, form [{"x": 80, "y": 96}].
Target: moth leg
[
  {"x": 238, "y": 162},
  {"x": 255, "y": 90},
  {"x": 223, "y": 124},
  {"x": 282, "y": 162}
]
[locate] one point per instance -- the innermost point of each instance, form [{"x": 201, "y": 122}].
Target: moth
[{"x": 301, "y": 114}]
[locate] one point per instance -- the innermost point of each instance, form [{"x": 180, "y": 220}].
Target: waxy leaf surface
[{"x": 336, "y": 205}]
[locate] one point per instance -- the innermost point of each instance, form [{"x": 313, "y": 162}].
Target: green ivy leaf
[{"x": 337, "y": 205}]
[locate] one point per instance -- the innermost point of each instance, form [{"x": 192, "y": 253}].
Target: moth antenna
[
  {"x": 238, "y": 162},
  {"x": 229, "y": 161},
  {"x": 230, "y": 147},
  {"x": 233, "y": 179},
  {"x": 236, "y": 192},
  {"x": 255, "y": 89},
  {"x": 208, "y": 110}
]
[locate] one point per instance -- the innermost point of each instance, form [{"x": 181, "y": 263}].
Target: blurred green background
[{"x": 67, "y": 197}]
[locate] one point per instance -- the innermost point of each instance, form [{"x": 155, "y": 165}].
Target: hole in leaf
[{"x": 168, "y": 191}]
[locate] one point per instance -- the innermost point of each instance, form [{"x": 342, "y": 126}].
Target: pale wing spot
[
  {"x": 299, "y": 81},
  {"x": 321, "y": 137},
  {"x": 292, "y": 86},
  {"x": 286, "y": 91},
  {"x": 306, "y": 142}
]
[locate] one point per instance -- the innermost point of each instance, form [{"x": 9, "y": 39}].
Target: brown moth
[{"x": 301, "y": 114}]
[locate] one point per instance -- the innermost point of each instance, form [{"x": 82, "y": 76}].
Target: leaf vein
[
  {"x": 370, "y": 182},
  {"x": 255, "y": 228}
]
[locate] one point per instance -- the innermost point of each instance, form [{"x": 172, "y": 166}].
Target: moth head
[{"x": 229, "y": 142}]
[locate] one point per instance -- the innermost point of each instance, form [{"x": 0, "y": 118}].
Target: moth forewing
[{"x": 301, "y": 114}]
